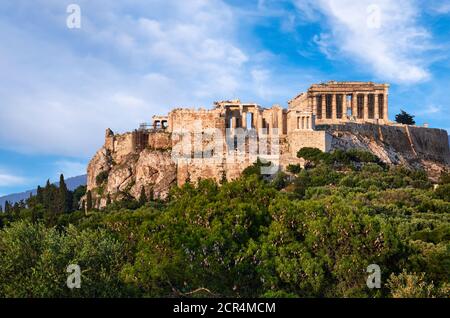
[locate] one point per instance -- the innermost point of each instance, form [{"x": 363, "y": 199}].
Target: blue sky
[{"x": 60, "y": 88}]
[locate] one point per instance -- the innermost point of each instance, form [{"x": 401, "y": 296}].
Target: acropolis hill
[{"x": 189, "y": 144}]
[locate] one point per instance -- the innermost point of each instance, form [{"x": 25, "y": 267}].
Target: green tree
[
  {"x": 413, "y": 285},
  {"x": 89, "y": 205},
  {"x": 64, "y": 196},
  {"x": 405, "y": 118},
  {"x": 142, "y": 196},
  {"x": 310, "y": 154},
  {"x": 34, "y": 260},
  {"x": 7, "y": 207},
  {"x": 77, "y": 194},
  {"x": 294, "y": 168},
  {"x": 39, "y": 195}
]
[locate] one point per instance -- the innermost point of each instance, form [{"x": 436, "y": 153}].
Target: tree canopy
[{"x": 309, "y": 234}]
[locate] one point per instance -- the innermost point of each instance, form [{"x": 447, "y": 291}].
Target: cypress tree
[
  {"x": 39, "y": 195},
  {"x": 7, "y": 207},
  {"x": 142, "y": 197},
  {"x": 108, "y": 199},
  {"x": 224, "y": 177},
  {"x": 89, "y": 201},
  {"x": 63, "y": 196},
  {"x": 152, "y": 195},
  {"x": 47, "y": 195}
]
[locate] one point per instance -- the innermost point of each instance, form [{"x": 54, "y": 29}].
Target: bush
[
  {"x": 443, "y": 192},
  {"x": 311, "y": 154},
  {"x": 101, "y": 178},
  {"x": 293, "y": 168},
  {"x": 414, "y": 285},
  {"x": 445, "y": 177}
]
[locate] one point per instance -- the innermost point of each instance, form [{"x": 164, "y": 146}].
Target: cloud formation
[
  {"x": 8, "y": 179},
  {"x": 60, "y": 88},
  {"x": 382, "y": 35}
]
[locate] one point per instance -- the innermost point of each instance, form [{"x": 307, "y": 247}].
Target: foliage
[
  {"x": 294, "y": 168},
  {"x": 34, "y": 259},
  {"x": 405, "y": 118},
  {"x": 308, "y": 234},
  {"x": 412, "y": 285},
  {"x": 101, "y": 178}
]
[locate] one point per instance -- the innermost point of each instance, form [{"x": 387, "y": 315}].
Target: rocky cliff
[
  {"x": 416, "y": 147},
  {"x": 128, "y": 162},
  {"x": 125, "y": 164}
]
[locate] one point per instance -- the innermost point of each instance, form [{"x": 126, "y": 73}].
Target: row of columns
[
  {"x": 364, "y": 97},
  {"x": 305, "y": 122},
  {"x": 258, "y": 121}
]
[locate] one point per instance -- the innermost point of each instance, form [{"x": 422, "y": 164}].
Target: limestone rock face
[
  {"x": 416, "y": 147},
  {"x": 127, "y": 162},
  {"x": 120, "y": 170}
]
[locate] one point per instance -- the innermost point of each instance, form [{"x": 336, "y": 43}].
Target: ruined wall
[
  {"x": 308, "y": 138},
  {"x": 187, "y": 119},
  {"x": 160, "y": 141}
]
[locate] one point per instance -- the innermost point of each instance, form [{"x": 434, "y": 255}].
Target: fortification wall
[
  {"x": 407, "y": 142},
  {"x": 159, "y": 140},
  {"x": 298, "y": 139},
  {"x": 430, "y": 143},
  {"x": 192, "y": 120}
]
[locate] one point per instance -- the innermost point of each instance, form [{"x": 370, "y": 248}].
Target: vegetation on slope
[{"x": 310, "y": 233}]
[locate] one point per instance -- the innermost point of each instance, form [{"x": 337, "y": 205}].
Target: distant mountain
[{"x": 72, "y": 183}]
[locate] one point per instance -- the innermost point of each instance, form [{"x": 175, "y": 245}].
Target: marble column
[
  {"x": 314, "y": 103},
  {"x": 385, "y": 108},
  {"x": 366, "y": 106},
  {"x": 354, "y": 105},
  {"x": 376, "y": 112},
  {"x": 333, "y": 106}
]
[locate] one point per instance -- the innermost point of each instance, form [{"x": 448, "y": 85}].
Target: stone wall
[
  {"x": 160, "y": 141},
  {"x": 308, "y": 138},
  {"x": 129, "y": 168},
  {"x": 410, "y": 142}
]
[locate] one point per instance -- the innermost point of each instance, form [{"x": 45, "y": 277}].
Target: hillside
[
  {"x": 122, "y": 167},
  {"x": 310, "y": 233}
]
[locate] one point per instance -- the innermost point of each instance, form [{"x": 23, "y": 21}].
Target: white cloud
[
  {"x": 430, "y": 110},
  {"x": 7, "y": 179},
  {"x": 439, "y": 6},
  {"x": 392, "y": 49},
  {"x": 60, "y": 88}
]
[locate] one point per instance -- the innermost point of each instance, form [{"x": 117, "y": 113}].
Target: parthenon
[{"x": 338, "y": 102}]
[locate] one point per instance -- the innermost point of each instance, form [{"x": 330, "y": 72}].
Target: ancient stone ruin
[{"x": 191, "y": 144}]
